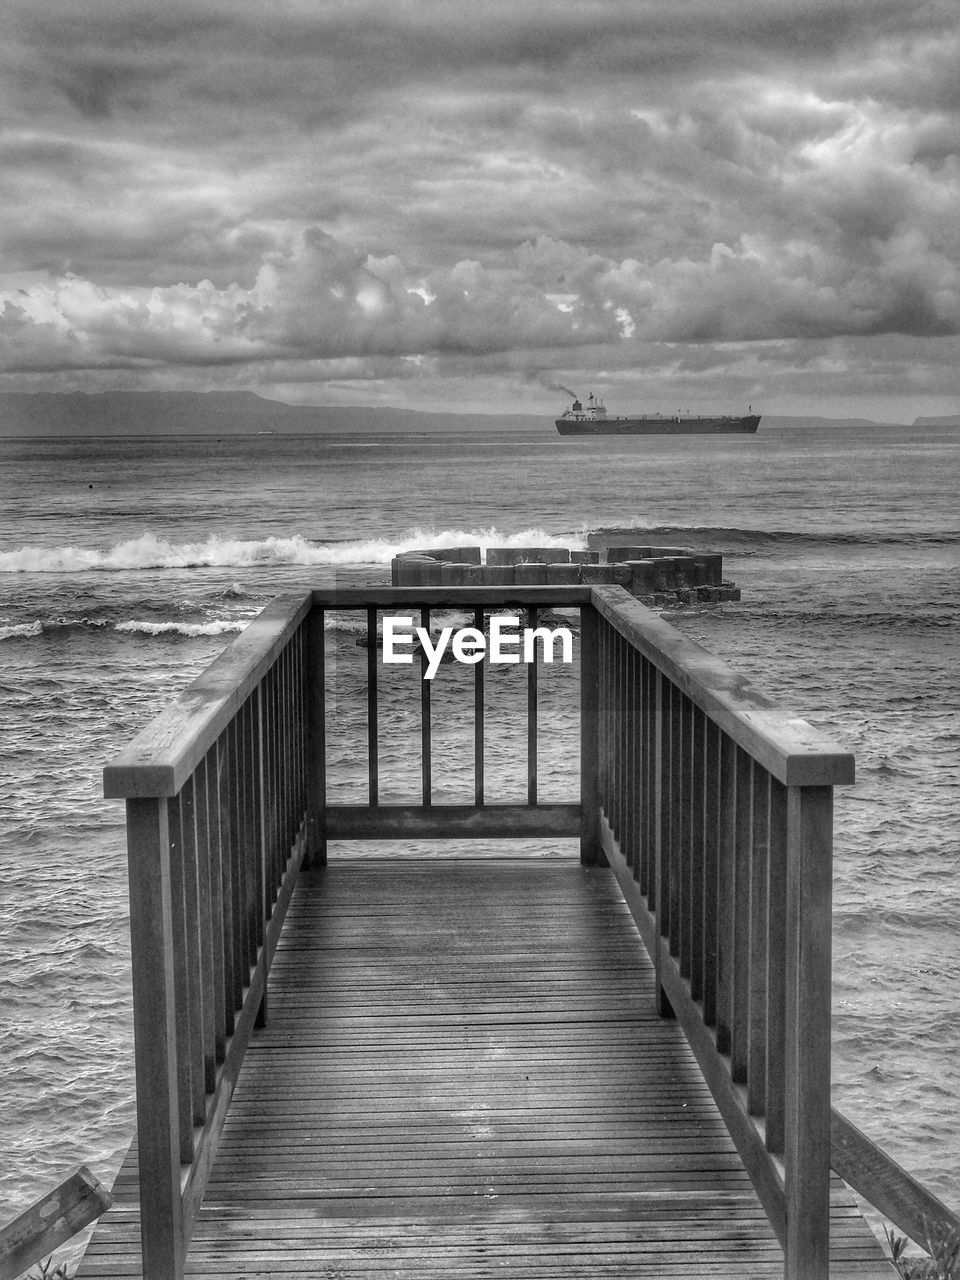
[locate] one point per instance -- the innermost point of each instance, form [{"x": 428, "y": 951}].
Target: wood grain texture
[
  {"x": 464, "y": 1076},
  {"x": 788, "y": 747}
]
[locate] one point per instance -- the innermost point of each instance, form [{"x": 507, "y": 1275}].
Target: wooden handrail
[
  {"x": 716, "y": 817},
  {"x": 887, "y": 1186},
  {"x": 50, "y": 1221},
  {"x": 161, "y": 758},
  {"x": 787, "y": 747}
]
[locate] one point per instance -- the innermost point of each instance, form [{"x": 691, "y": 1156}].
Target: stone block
[
  {"x": 642, "y": 576},
  {"x": 419, "y": 573},
  {"x": 595, "y": 574},
  {"x": 615, "y": 554},
  {"x": 473, "y": 575},
  {"x": 584, "y": 557},
  {"x": 498, "y": 575},
  {"x": 497, "y": 556},
  {"x": 565, "y": 574},
  {"x": 453, "y": 574},
  {"x": 680, "y": 568},
  {"x": 708, "y": 595},
  {"x": 530, "y": 575},
  {"x": 728, "y": 593},
  {"x": 663, "y": 575},
  {"x": 534, "y": 555}
]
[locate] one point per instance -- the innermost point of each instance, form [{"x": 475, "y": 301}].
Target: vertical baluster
[
  {"x": 777, "y": 975},
  {"x": 285, "y": 796},
  {"x": 683, "y": 837},
  {"x": 713, "y": 885},
  {"x": 612, "y": 711},
  {"x": 241, "y": 967},
  {"x": 154, "y": 1025},
  {"x": 192, "y": 949},
  {"x": 727, "y": 883},
  {"x": 624, "y": 771},
  {"x": 232, "y": 987},
  {"x": 373, "y": 759},
  {"x": 675, "y": 796},
  {"x": 262, "y": 869},
  {"x": 759, "y": 934},
  {"x": 698, "y": 803},
  {"x": 274, "y": 759},
  {"x": 740, "y": 1046},
  {"x": 219, "y": 964},
  {"x": 251, "y": 832},
  {"x": 185, "y": 1066},
  {"x": 662, "y": 786},
  {"x": 479, "y": 674},
  {"x": 532, "y": 670},
  {"x": 316, "y": 854},
  {"x": 426, "y": 783},
  {"x": 636, "y": 761},
  {"x": 590, "y": 852},
  {"x": 300, "y": 668},
  {"x": 807, "y": 1114},
  {"x": 647, "y": 854}
]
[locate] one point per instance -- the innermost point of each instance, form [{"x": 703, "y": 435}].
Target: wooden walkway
[{"x": 463, "y": 1076}]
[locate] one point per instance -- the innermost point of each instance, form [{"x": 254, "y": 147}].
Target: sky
[{"x": 485, "y": 205}]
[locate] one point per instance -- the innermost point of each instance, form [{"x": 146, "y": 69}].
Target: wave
[
  {"x": 191, "y": 629},
  {"x": 736, "y": 536},
  {"x": 60, "y": 626},
  {"x": 152, "y": 552},
  {"x": 21, "y": 630}
]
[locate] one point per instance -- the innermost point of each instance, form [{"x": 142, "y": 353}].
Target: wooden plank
[
  {"x": 355, "y": 822},
  {"x": 155, "y": 1034},
  {"x": 162, "y": 757},
  {"x": 791, "y": 749},
  {"x": 807, "y": 1057},
  {"x": 50, "y": 1221},
  {"x": 479, "y": 670},
  {"x": 316, "y": 731},
  {"x": 590, "y": 851},
  {"x": 464, "y": 1076},
  {"x": 887, "y": 1185},
  {"x": 541, "y": 597}
]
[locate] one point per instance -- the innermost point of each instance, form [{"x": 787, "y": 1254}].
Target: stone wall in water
[{"x": 655, "y": 575}]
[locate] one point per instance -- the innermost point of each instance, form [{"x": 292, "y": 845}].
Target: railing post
[
  {"x": 316, "y": 850},
  {"x": 154, "y": 1025},
  {"x": 807, "y": 1103},
  {"x": 591, "y": 853}
]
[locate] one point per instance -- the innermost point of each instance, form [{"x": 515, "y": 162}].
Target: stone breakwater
[{"x": 658, "y": 576}]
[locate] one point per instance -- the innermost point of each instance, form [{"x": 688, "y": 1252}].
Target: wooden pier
[{"x": 604, "y": 1066}]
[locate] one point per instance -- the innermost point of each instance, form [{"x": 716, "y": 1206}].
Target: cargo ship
[{"x": 591, "y": 420}]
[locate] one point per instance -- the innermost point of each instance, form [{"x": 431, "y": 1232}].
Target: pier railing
[{"x": 712, "y": 807}]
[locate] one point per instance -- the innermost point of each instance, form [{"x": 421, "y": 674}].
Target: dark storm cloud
[{"x": 442, "y": 187}]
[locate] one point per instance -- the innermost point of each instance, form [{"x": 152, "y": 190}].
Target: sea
[{"x": 127, "y": 564}]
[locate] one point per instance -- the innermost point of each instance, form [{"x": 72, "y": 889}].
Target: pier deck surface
[{"x": 463, "y": 1076}]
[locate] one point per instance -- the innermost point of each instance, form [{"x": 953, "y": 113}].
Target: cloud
[{"x": 305, "y": 187}]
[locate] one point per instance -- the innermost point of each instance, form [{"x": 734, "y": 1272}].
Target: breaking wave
[
  {"x": 151, "y": 552},
  {"x": 191, "y": 629},
  {"x": 62, "y": 626}
]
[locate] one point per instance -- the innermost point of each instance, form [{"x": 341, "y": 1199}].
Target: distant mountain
[
  {"x": 160, "y": 413},
  {"x": 948, "y": 420}
]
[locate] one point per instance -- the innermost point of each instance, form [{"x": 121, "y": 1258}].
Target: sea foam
[{"x": 152, "y": 552}]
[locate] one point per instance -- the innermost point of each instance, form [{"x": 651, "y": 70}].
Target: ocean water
[{"x": 127, "y": 564}]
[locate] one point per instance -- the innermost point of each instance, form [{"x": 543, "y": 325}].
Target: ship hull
[{"x": 659, "y": 426}]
